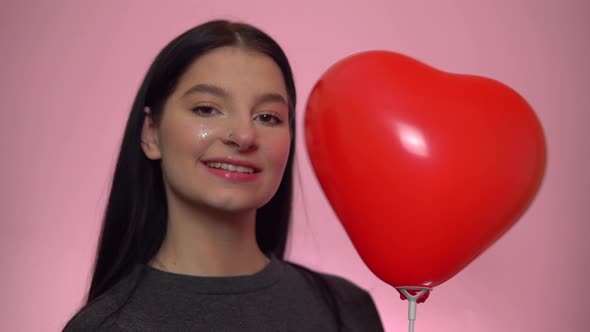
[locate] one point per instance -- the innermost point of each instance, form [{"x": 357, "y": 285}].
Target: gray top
[{"x": 280, "y": 297}]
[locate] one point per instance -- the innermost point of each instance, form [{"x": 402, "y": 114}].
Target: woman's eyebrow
[
  {"x": 271, "y": 98},
  {"x": 207, "y": 88},
  {"x": 222, "y": 93}
]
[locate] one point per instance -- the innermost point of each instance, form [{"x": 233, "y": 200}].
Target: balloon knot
[{"x": 421, "y": 299}]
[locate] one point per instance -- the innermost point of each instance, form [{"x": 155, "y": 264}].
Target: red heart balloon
[{"x": 425, "y": 169}]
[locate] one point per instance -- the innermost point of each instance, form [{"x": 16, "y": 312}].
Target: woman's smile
[{"x": 232, "y": 169}]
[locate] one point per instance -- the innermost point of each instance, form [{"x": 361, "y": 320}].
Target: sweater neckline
[{"x": 158, "y": 279}]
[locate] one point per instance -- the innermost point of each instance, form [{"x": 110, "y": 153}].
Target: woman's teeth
[{"x": 230, "y": 167}]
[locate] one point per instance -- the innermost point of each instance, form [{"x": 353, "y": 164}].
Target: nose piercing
[{"x": 229, "y": 137}]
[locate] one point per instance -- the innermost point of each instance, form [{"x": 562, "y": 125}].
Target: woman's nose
[{"x": 242, "y": 135}]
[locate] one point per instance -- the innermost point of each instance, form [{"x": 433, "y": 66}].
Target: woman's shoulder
[
  {"x": 348, "y": 292},
  {"x": 343, "y": 287},
  {"x": 101, "y": 313},
  {"x": 355, "y": 304},
  {"x": 95, "y": 315}
]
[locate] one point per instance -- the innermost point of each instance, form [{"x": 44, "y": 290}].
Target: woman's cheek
[
  {"x": 206, "y": 132},
  {"x": 279, "y": 149}
]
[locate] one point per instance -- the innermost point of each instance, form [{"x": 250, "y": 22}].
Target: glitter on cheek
[{"x": 205, "y": 132}]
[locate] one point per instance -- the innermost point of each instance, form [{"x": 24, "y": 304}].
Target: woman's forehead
[{"x": 235, "y": 70}]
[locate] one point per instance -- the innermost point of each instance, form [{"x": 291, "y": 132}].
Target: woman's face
[{"x": 223, "y": 137}]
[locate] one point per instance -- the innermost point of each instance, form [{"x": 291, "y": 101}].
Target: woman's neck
[{"x": 210, "y": 243}]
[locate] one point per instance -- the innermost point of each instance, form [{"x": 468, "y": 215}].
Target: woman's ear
[{"x": 149, "y": 136}]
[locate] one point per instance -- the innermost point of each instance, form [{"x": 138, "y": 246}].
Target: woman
[{"x": 196, "y": 223}]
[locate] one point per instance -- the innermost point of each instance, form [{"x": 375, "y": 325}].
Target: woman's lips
[
  {"x": 233, "y": 171},
  {"x": 233, "y": 164}
]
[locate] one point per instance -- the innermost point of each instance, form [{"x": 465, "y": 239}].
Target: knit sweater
[{"x": 280, "y": 297}]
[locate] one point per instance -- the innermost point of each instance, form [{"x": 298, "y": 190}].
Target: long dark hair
[{"x": 135, "y": 219}]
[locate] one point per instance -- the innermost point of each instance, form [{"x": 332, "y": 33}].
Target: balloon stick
[{"x": 412, "y": 301}]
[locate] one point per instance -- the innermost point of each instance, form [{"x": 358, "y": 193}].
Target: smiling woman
[{"x": 195, "y": 228}]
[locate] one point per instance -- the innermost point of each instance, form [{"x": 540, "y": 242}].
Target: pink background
[{"x": 70, "y": 70}]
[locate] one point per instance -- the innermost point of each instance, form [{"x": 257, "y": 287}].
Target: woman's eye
[
  {"x": 205, "y": 110},
  {"x": 271, "y": 119}
]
